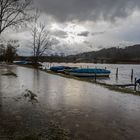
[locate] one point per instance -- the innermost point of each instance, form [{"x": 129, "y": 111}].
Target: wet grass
[
  {"x": 120, "y": 89},
  {"x": 111, "y": 87},
  {"x": 27, "y": 137},
  {"x": 53, "y": 131},
  {"x": 30, "y": 95},
  {"x": 9, "y": 73}
]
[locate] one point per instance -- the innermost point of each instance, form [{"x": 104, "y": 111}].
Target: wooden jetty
[
  {"x": 135, "y": 84},
  {"x": 125, "y": 85}
]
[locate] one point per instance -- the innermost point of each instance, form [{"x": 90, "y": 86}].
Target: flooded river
[
  {"x": 124, "y": 71},
  {"x": 88, "y": 111}
]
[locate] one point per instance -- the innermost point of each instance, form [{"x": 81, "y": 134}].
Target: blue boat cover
[
  {"x": 138, "y": 81},
  {"x": 90, "y": 70},
  {"x": 21, "y": 62},
  {"x": 57, "y": 68}
]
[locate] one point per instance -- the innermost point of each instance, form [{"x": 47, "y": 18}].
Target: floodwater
[
  {"x": 88, "y": 111},
  {"x": 124, "y": 71}
]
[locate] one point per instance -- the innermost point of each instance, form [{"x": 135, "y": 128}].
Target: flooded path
[{"x": 87, "y": 110}]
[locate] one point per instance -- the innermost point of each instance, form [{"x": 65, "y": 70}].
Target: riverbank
[
  {"x": 106, "y": 85},
  {"x": 111, "y": 87}
]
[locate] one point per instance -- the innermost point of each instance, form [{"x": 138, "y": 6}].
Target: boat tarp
[
  {"x": 57, "y": 68},
  {"x": 90, "y": 70}
]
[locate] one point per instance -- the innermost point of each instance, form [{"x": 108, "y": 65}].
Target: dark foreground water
[{"x": 88, "y": 111}]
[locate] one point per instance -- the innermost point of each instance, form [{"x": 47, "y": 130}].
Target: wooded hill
[{"x": 130, "y": 54}]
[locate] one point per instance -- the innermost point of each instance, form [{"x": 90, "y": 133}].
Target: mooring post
[
  {"x": 135, "y": 85},
  {"x": 95, "y": 77},
  {"x": 117, "y": 71},
  {"x": 132, "y": 73}
]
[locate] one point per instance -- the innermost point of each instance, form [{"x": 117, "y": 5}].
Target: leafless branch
[{"x": 13, "y": 13}]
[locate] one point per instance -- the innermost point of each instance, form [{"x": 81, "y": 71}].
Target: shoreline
[{"x": 108, "y": 86}]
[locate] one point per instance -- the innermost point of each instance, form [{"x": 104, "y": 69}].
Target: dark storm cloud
[
  {"x": 66, "y": 10},
  {"x": 97, "y": 33},
  {"x": 87, "y": 33},
  {"x": 84, "y": 34},
  {"x": 60, "y": 34}
]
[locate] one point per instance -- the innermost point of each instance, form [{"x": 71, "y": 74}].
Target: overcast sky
[{"x": 86, "y": 25}]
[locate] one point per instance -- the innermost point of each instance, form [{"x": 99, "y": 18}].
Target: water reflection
[{"x": 0, "y": 95}]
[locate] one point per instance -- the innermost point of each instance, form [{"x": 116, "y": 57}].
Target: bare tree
[
  {"x": 40, "y": 38},
  {"x": 13, "y": 13}
]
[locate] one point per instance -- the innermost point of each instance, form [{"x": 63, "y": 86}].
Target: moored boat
[
  {"x": 60, "y": 69},
  {"x": 20, "y": 62},
  {"x": 90, "y": 72},
  {"x": 138, "y": 81}
]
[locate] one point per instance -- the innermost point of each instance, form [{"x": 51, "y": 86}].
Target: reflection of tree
[
  {"x": 36, "y": 80},
  {"x": 0, "y": 94},
  {"x": 2, "y": 52}
]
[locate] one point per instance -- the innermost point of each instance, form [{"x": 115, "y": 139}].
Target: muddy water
[{"x": 88, "y": 111}]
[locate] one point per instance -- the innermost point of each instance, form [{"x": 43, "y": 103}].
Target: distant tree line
[{"x": 130, "y": 54}]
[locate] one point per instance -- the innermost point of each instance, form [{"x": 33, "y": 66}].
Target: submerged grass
[
  {"x": 53, "y": 131},
  {"x": 111, "y": 87},
  {"x": 9, "y": 73},
  {"x": 30, "y": 95},
  {"x": 27, "y": 137}
]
